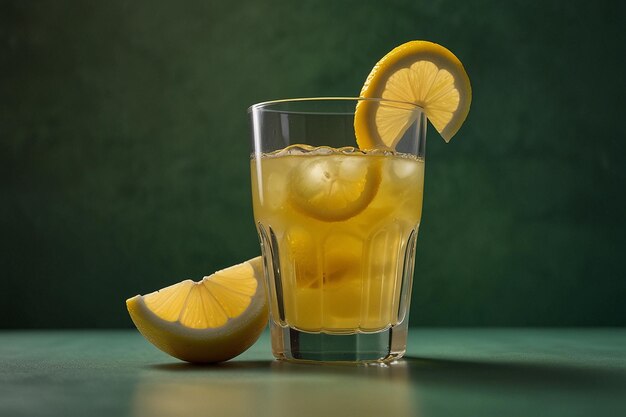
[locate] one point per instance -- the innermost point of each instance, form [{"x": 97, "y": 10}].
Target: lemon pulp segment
[{"x": 208, "y": 303}]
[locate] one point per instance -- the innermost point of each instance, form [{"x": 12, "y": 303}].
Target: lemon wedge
[
  {"x": 335, "y": 188},
  {"x": 421, "y": 73},
  {"x": 212, "y": 320}
]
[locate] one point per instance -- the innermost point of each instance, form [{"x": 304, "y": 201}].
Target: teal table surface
[{"x": 446, "y": 372}]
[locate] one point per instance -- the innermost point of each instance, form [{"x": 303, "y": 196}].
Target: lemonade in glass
[{"x": 338, "y": 228}]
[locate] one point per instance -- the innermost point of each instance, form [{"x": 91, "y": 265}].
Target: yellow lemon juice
[{"x": 340, "y": 226}]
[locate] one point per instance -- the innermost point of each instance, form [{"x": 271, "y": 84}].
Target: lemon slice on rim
[
  {"x": 335, "y": 188},
  {"x": 418, "y": 72},
  {"x": 212, "y": 320}
]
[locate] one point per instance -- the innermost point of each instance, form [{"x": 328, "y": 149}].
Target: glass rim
[{"x": 265, "y": 105}]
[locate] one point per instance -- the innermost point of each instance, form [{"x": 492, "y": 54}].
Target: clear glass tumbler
[{"x": 338, "y": 228}]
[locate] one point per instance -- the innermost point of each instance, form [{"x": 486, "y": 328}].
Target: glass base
[{"x": 297, "y": 346}]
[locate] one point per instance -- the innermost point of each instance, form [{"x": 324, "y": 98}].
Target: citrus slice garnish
[
  {"x": 418, "y": 72},
  {"x": 335, "y": 188},
  {"x": 212, "y": 320}
]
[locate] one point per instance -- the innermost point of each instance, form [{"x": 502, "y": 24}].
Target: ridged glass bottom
[{"x": 297, "y": 346}]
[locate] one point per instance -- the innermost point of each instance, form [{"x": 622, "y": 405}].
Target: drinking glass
[{"x": 338, "y": 228}]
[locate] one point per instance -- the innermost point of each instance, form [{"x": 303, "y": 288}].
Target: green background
[{"x": 124, "y": 146}]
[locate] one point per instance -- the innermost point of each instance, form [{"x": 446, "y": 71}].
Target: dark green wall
[{"x": 124, "y": 146}]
